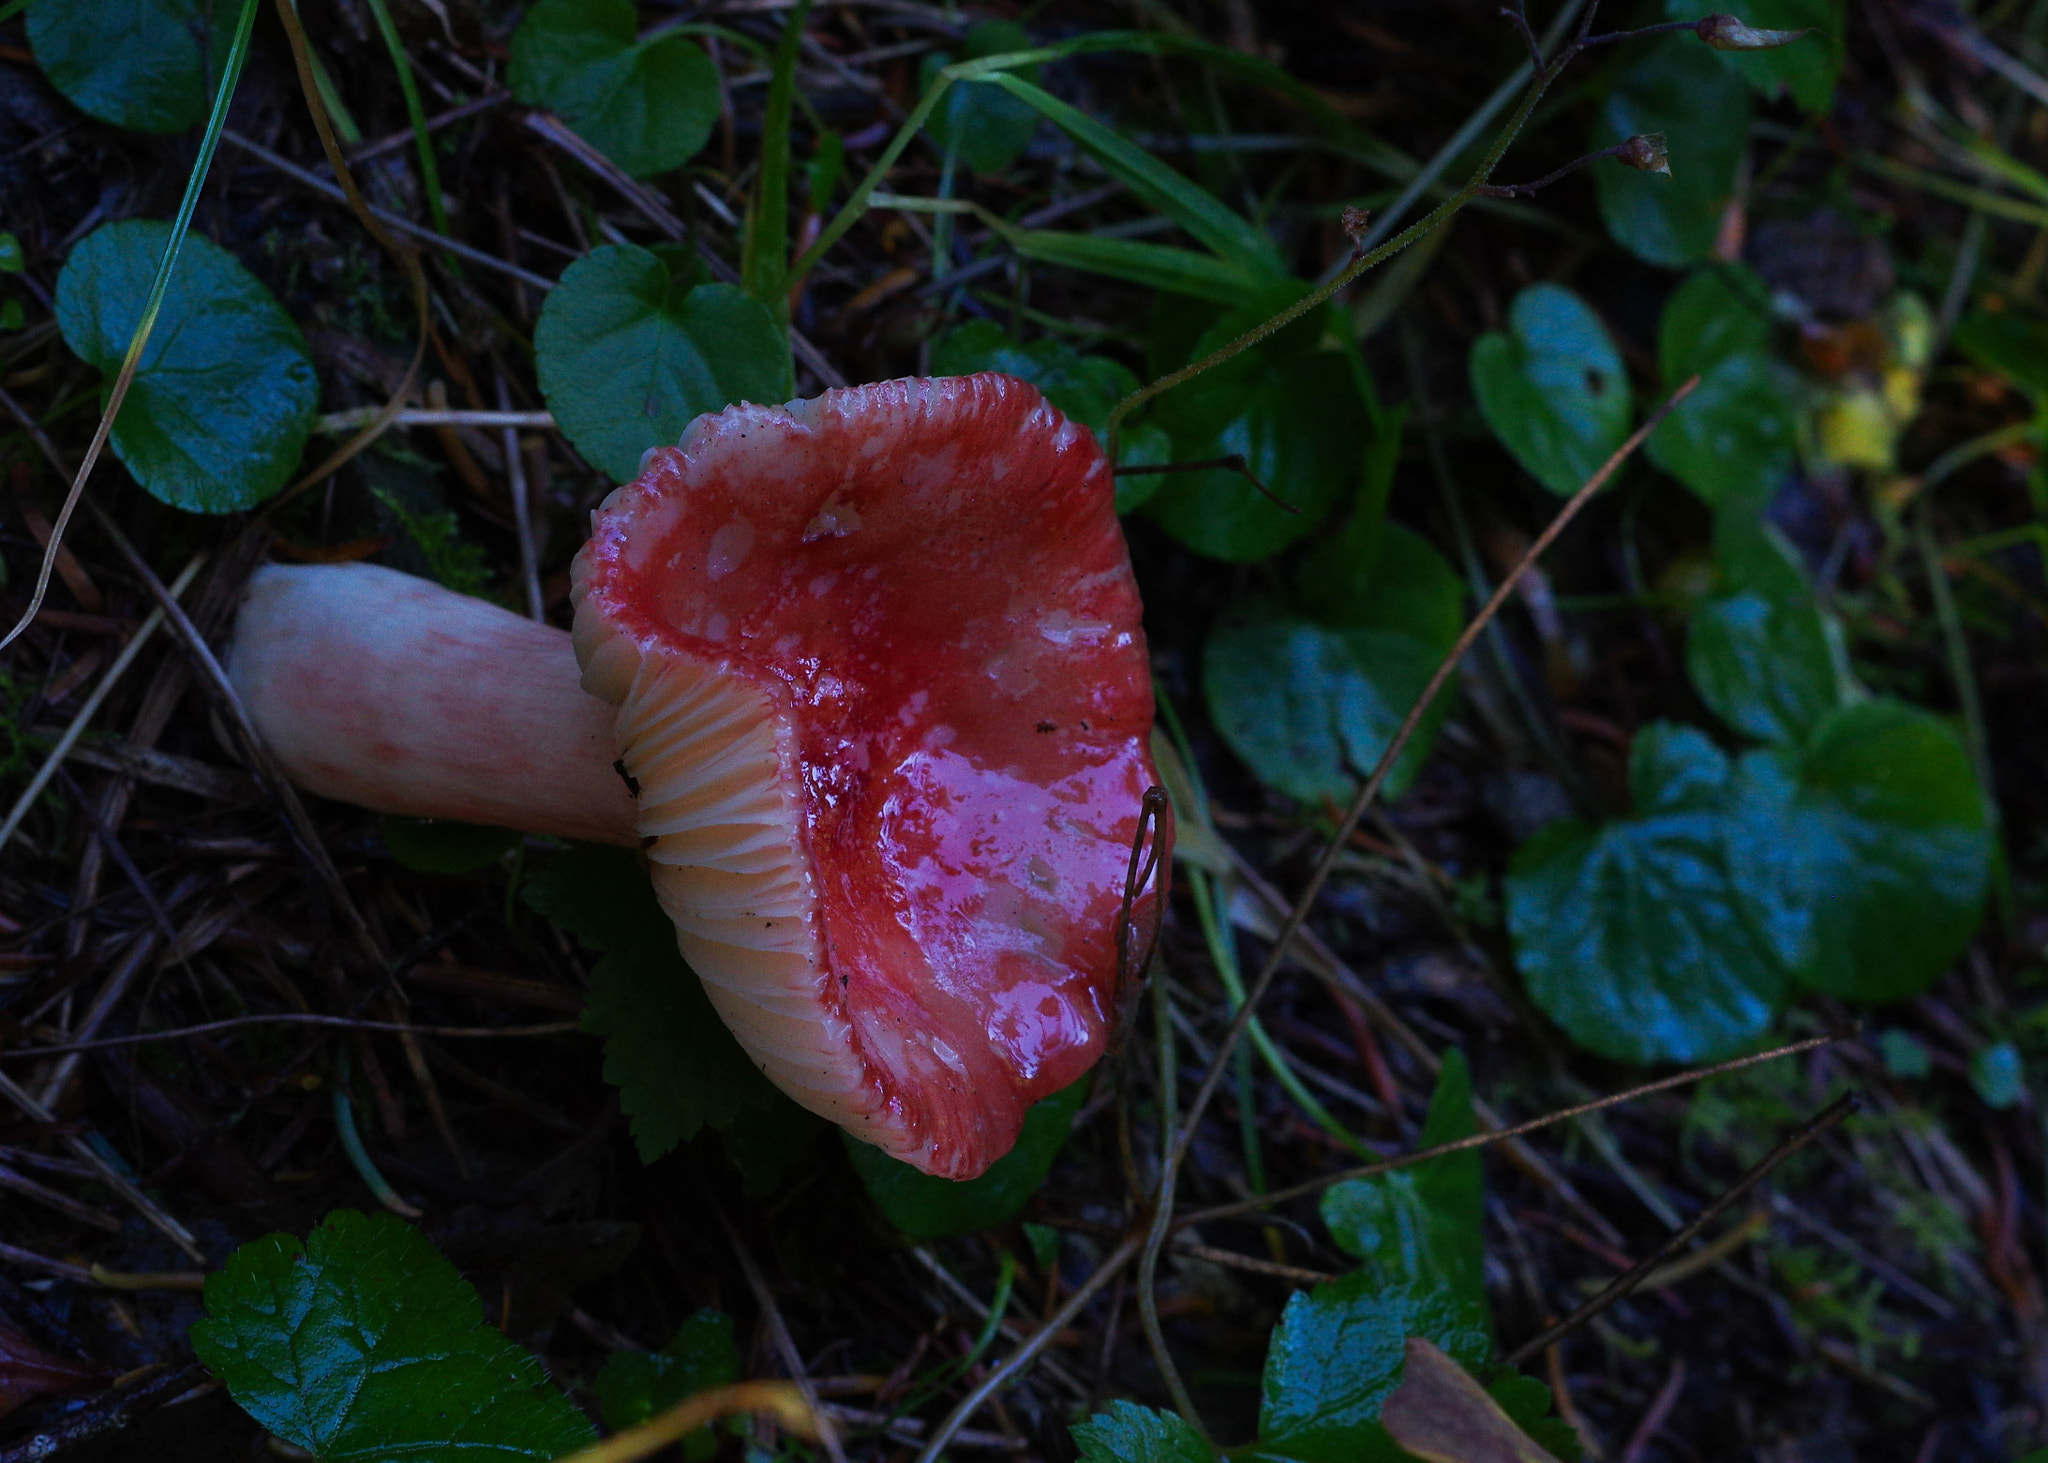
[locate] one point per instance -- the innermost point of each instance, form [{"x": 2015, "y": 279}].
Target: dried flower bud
[
  {"x": 1354, "y": 222},
  {"x": 1726, "y": 33},
  {"x": 1645, "y": 153}
]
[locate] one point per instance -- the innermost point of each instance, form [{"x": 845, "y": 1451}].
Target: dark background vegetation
[{"x": 1881, "y": 1299}]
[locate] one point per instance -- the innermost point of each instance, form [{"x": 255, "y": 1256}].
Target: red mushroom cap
[{"x": 884, "y": 691}]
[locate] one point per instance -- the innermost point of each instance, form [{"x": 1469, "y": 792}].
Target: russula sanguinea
[{"x": 883, "y": 708}]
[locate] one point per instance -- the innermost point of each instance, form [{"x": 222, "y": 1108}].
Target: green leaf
[
  {"x": 223, "y": 398},
  {"x": 987, "y": 126},
  {"x": 1676, "y": 86},
  {"x": 1867, "y": 852},
  {"x": 1733, "y": 437},
  {"x": 648, "y": 106},
  {"x": 1635, "y": 937},
  {"x": 1806, "y": 70},
  {"x": 1905, "y": 1055},
  {"x": 146, "y": 65},
  {"x": 1527, "y": 1402},
  {"x": 674, "y": 1063},
  {"x": 1762, "y": 653},
  {"x": 1338, "y": 569},
  {"x": 1552, "y": 387},
  {"x": 1155, "y": 266},
  {"x": 635, "y": 1385},
  {"x": 366, "y": 1344},
  {"x": 1087, "y": 388},
  {"x": 443, "y": 846},
  {"x": 1997, "y": 1076},
  {"x": 1311, "y": 706},
  {"x": 2015, "y": 348},
  {"x": 1420, "y": 1228},
  {"x": 12, "y": 260},
  {"x": 630, "y": 353},
  {"x": 923, "y": 1207},
  {"x": 1128, "y": 1433}
]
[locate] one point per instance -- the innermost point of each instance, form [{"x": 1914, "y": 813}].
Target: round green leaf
[
  {"x": 223, "y": 399},
  {"x": 1676, "y": 86},
  {"x": 1733, "y": 436},
  {"x": 1763, "y": 654},
  {"x": 648, "y": 106},
  {"x": 1867, "y": 854},
  {"x": 1634, "y": 937},
  {"x": 629, "y": 354},
  {"x": 1552, "y": 387},
  {"x": 988, "y": 128},
  {"x": 1311, "y": 706},
  {"x": 1997, "y": 1076},
  {"x": 1300, "y": 428},
  {"x": 146, "y": 65}
]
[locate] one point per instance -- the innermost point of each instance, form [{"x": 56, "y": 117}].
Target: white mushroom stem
[{"x": 390, "y": 692}]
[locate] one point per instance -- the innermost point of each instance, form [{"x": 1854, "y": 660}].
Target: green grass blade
[
  {"x": 430, "y": 171},
  {"x": 1222, "y": 230},
  {"x": 764, "y": 261}
]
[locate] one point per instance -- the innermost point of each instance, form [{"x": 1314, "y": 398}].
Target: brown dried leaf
[{"x": 1441, "y": 1414}]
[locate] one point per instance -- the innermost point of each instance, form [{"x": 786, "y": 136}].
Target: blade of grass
[
  {"x": 423, "y": 143},
  {"x": 764, "y": 259},
  {"x": 1223, "y": 231},
  {"x": 209, "y": 143}
]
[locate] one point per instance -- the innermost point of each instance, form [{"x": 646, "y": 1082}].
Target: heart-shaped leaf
[
  {"x": 1311, "y": 706},
  {"x": 223, "y": 399},
  {"x": 630, "y": 352},
  {"x": 1676, "y": 86},
  {"x": 1733, "y": 436},
  {"x": 147, "y": 65},
  {"x": 987, "y": 126},
  {"x": 1552, "y": 387},
  {"x": 1762, "y": 653},
  {"x": 647, "y": 105},
  {"x": 1636, "y": 937},
  {"x": 1868, "y": 850}
]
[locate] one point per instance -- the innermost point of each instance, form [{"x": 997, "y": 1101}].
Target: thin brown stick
[
  {"x": 1517, "y": 1130},
  {"x": 785, "y": 1344},
  {"x": 1804, "y": 1134},
  {"x": 288, "y": 1018}
]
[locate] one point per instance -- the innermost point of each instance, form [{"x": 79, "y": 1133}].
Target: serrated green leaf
[
  {"x": 1420, "y": 1228},
  {"x": 1087, "y": 388},
  {"x": 1552, "y": 387},
  {"x": 1128, "y": 1433},
  {"x": 923, "y": 1207},
  {"x": 1636, "y": 937},
  {"x": 988, "y": 127},
  {"x": 1806, "y": 70},
  {"x": 649, "y": 105},
  {"x": 1866, "y": 853},
  {"x": 629, "y": 354},
  {"x": 1676, "y": 86},
  {"x": 676, "y": 1066},
  {"x": 1733, "y": 436},
  {"x": 365, "y": 1344},
  {"x": 635, "y": 1385},
  {"x": 146, "y": 65},
  {"x": 444, "y": 846},
  {"x": 223, "y": 398},
  {"x": 1311, "y": 706}
]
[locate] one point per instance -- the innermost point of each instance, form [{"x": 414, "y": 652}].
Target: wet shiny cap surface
[{"x": 883, "y": 686}]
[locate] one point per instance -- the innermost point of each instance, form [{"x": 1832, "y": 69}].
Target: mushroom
[{"x": 881, "y": 727}]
